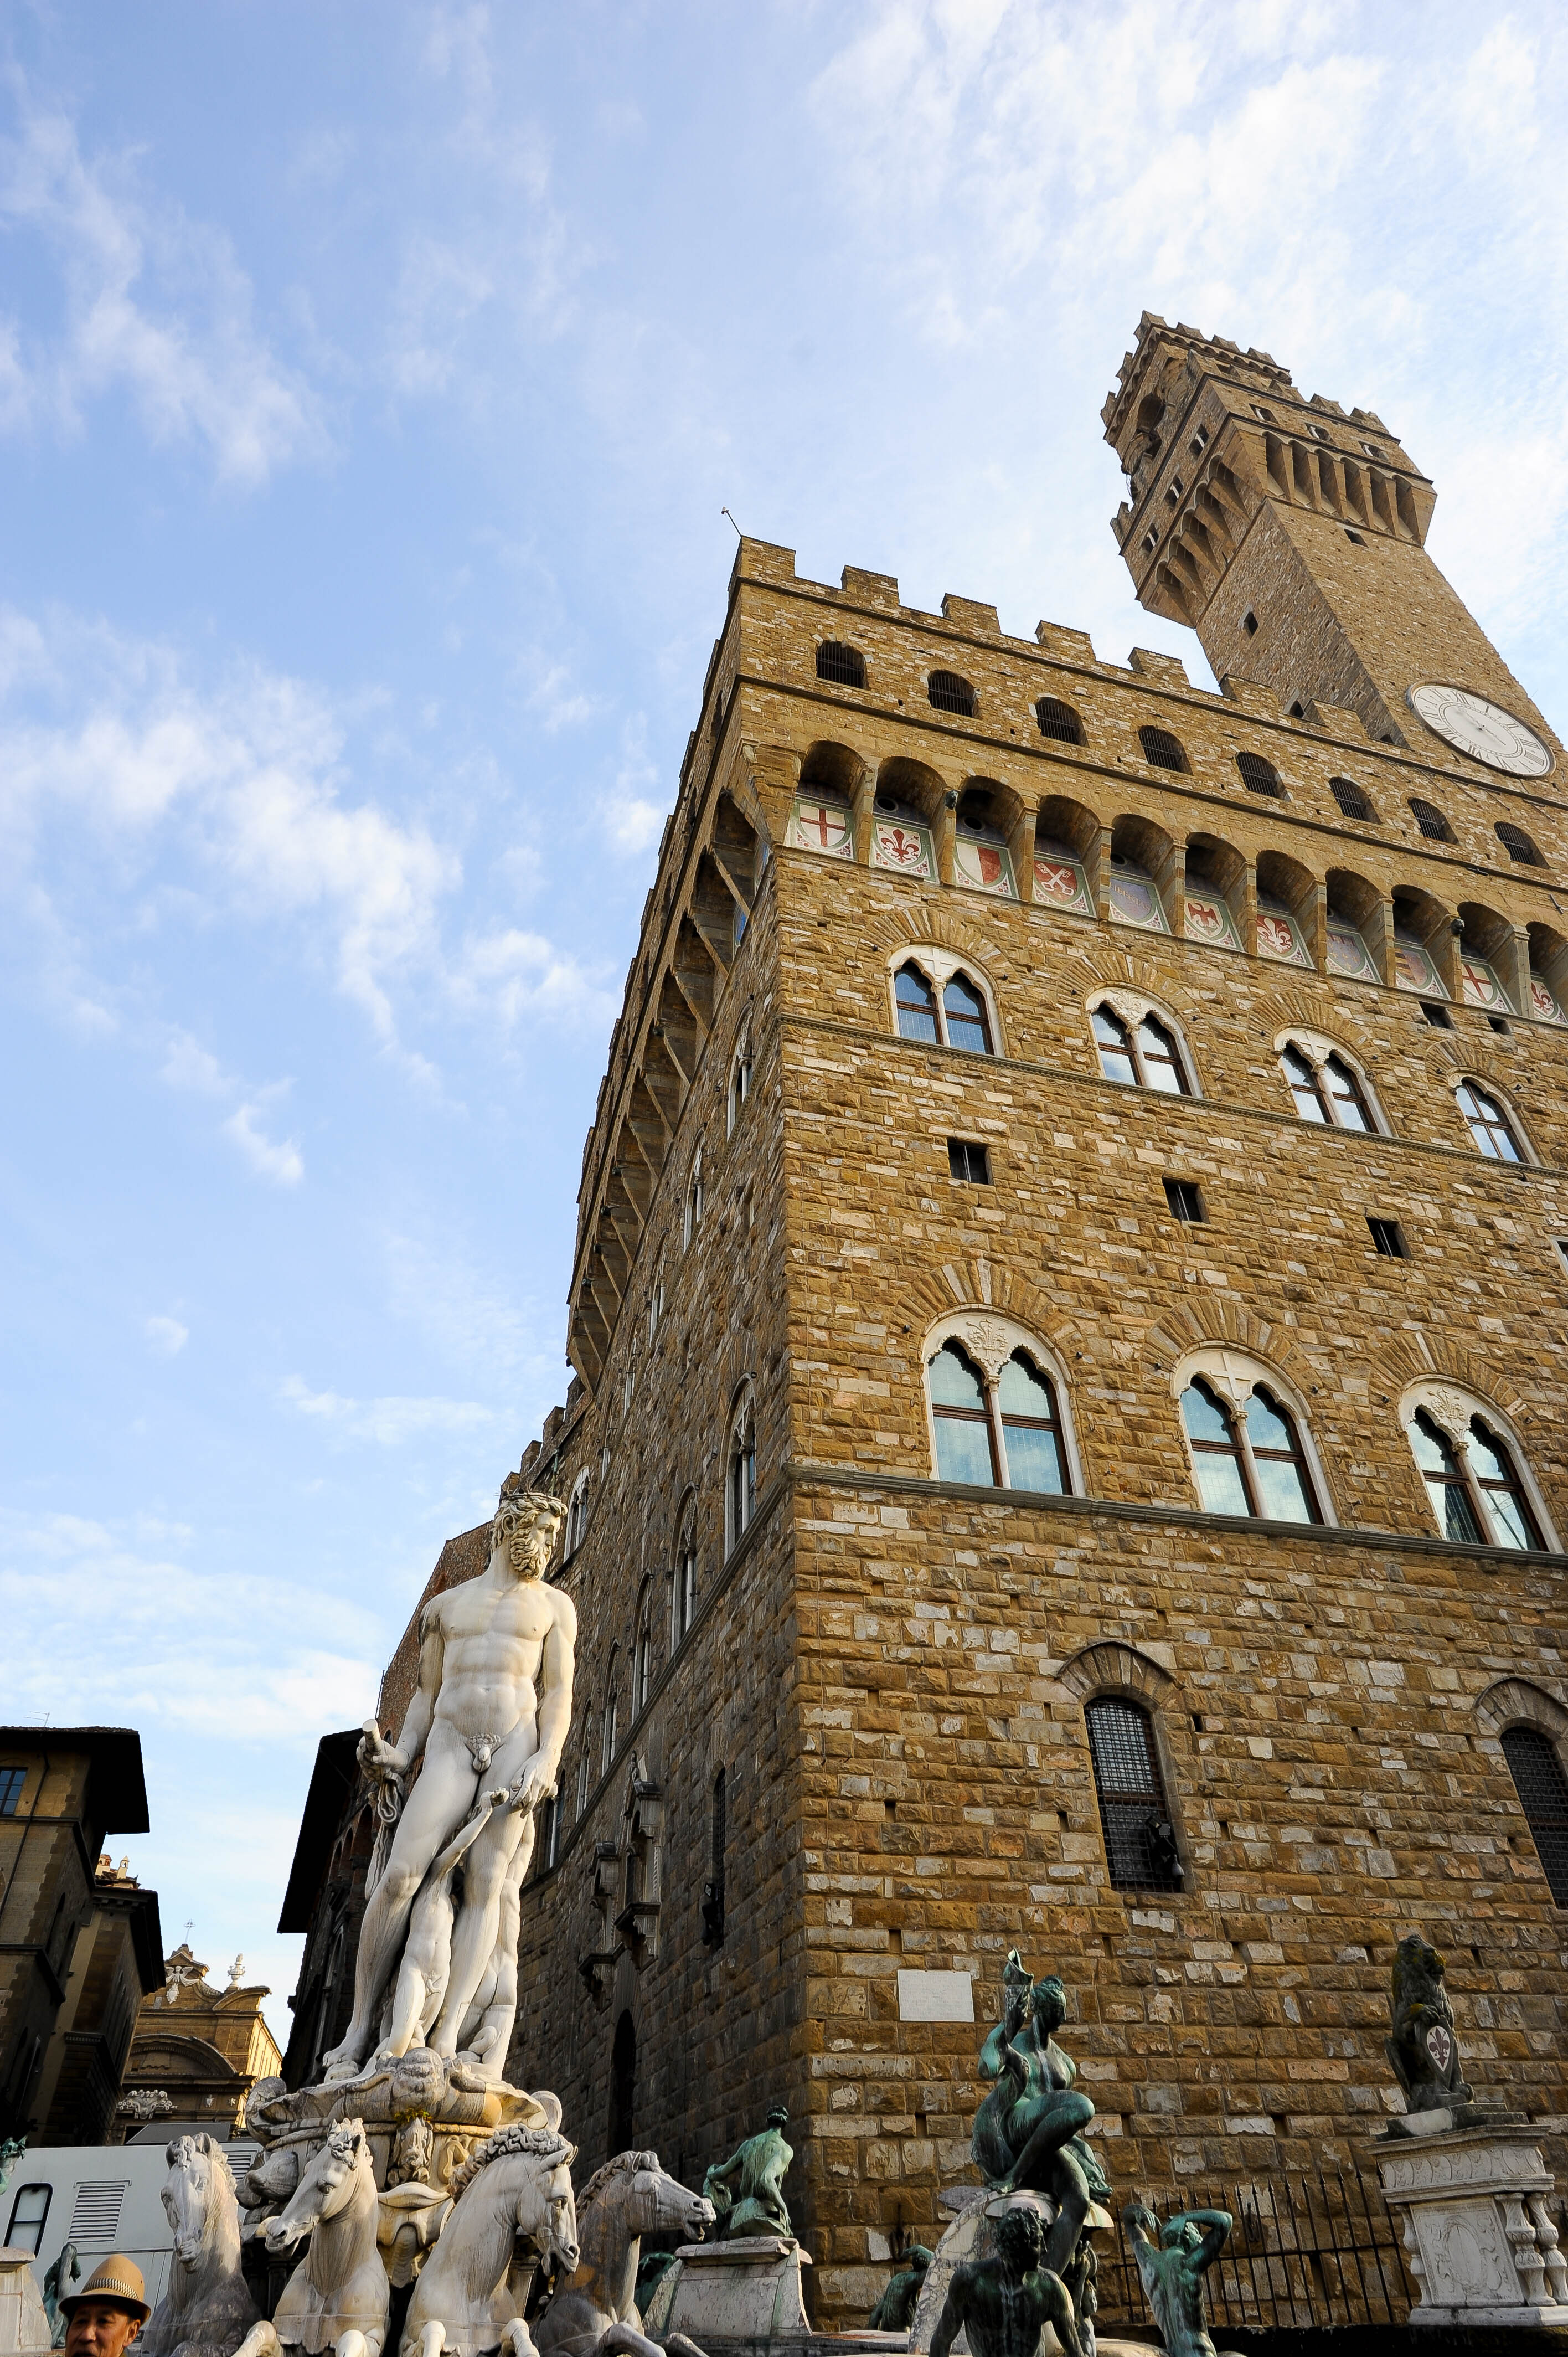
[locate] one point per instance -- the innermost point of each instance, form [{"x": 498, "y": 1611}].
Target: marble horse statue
[
  {"x": 337, "y": 2297},
  {"x": 596, "y": 2311},
  {"x": 518, "y": 2182},
  {"x": 208, "y": 2309}
]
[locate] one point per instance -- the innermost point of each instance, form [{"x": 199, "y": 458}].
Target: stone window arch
[
  {"x": 576, "y": 1515},
  {"x": 739, "y": 1087},
  {"x": 1139, "y": 1043},
  {"x": 740, "y": 1468},
  {"x": 843, "y": 665},
  {"x": 610, "y": 1718},
  {"x": 1122, "y": 1692},
  {"x": 997, "y": 1405},
  {"x": 1496, "y": 1130},
  {"x": 943, "y": 998},
  {"x": 1247, "y": 1438},
  {"x": 1327, "y": 1084},
  {"x": 683, "y": 1573},
  {"x": 642, "y": 1651},
  {"x": 951, "y": 691},
  {"x": 691, "y": 1211},
  {"x": 1531, "y": 1731},
  {"x": 1480, "y": 1486}
]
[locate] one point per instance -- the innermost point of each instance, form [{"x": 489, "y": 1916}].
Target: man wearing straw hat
[{"x": 104, "y": 2317}]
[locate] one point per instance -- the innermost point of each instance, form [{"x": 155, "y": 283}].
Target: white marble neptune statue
[{"x": 489, "y": 1721}]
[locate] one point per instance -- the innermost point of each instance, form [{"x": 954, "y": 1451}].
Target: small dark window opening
[
  {"x": 949, "y": 693},
  {"x": 1500, "y": 1023},
  {"x": 1431, "y": 820},
  {"x": 1161, "y": 749},
  {"x": 1199, "y": 442},
  {"x": 1258, "y": 776},
  {"x": 1387, "y": 1238},
  {"x": 1298, "y": 711},
  {"x": 713, "y": 1888},
  {"x": 845, "y": 666},
  {"x": 1517, "y": 845},
  {"x": 1355, "y": 536},
  {"x": 1249, "y": 623},
  {"x": 1185, "y": 1199},
  {"x": 623, "y": 2086},
  {"x": 1437, "y": 1015},
  {"x": 1059, "y": 721},
  {"x": 1351, "y": 800},
  {"x": 1543, "y": 1791},
  {"x": 1140, "y": 1841},
  {"x": 969, "y": 1161}
]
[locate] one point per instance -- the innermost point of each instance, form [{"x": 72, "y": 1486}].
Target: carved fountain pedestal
[
  {"x": 748, "y": 2290},
  {"x": 1481, "y": 2245}
]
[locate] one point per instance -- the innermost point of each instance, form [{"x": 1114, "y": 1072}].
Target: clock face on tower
[{"x": 1483, "y": 730}]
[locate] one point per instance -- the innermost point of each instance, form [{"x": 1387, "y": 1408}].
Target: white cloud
[
  {"x": 515, "y": 975},
  {"x": 390, "y": 1422},
  {"x": 282, "y": 1163},
  {"x": 167, "y": 1336},
  {"x": 250, "y": 1677},
  {"x": 153, "y": 303}
]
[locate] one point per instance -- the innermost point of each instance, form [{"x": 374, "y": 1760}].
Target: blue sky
[{"x": 371, "y": 378}]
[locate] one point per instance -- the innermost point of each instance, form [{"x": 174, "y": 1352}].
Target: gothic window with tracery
[
  {"x": 740, "y": 1486},
  {"x": 1490, "y": 1124},
  {"x": 1248, "y": 1463},
  {"x": 1325, "y": 1089},
  {"x": 1475, "y": 1488},
  {"x": 999, "y": 1432},
  {"x": 1142, "y": 1055},
  {"x": 956, "y": 1016}
]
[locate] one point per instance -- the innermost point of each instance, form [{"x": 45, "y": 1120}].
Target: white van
[{"x": 102, "y": 2198}]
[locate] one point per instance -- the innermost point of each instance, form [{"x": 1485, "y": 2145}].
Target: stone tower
[
  {"x": 1291, "y": 537},
  {"x": 1069, "y": 1442}
]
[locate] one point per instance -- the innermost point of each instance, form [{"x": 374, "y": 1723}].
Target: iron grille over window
[
  {"x": 1517, "y": 845},
  {"x": 949, "y": 693},
  {"x": 1351, "y": 800},
  {"x": 1058, "y": 720},
  {"x": 1140, "y": 1847},
  {"x": 1431, "y": 820},
  {"x": 1161, "y": 749},
  {"x": 845, "y": 666},
  {"x": 1258, "y": 776},
  {"x": 1543, "y": 1791}
]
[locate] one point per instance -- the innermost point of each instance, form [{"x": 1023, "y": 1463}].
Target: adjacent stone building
[
  {"x": 197, "y": 2049},
  {"x": 79, "y": 1945},
  {"x": 1068, "y": 1443}
]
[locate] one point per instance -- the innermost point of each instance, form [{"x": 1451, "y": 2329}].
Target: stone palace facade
[{"x": 1067, "y": 1437}]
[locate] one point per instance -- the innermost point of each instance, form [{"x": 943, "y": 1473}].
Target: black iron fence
[{"x": 1305, "y": 2251}]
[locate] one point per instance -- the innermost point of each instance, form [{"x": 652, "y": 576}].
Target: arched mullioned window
[
  {"x": 609, "y": 1722},
  {"x": 1542, "y": 1790},
  {"x": 1323, "y": 1086},
  {"x": 845, "y": 666},
  {"x": 1490, "y": 1125},
  {"x": 585, "y": 1778},
  {"x": 739, "y": 1076},
  {"x": 946, "y": 1009},
  {"x": 692, "y": 1219},
  {"x": 996, "y": 1415},
  {"x": 1476, "y": 1481},
  {"x": 642, "y": 1656},
  {"x": 1248, "y": 1448},
  {"x": 576, "y": 1513},
  {"x": 740, "y": 1471},
  {"x": 683, "y": 1577},
  {"x": 1142, "y": 1055},
  {"x": 1135, "y": 1817}
]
